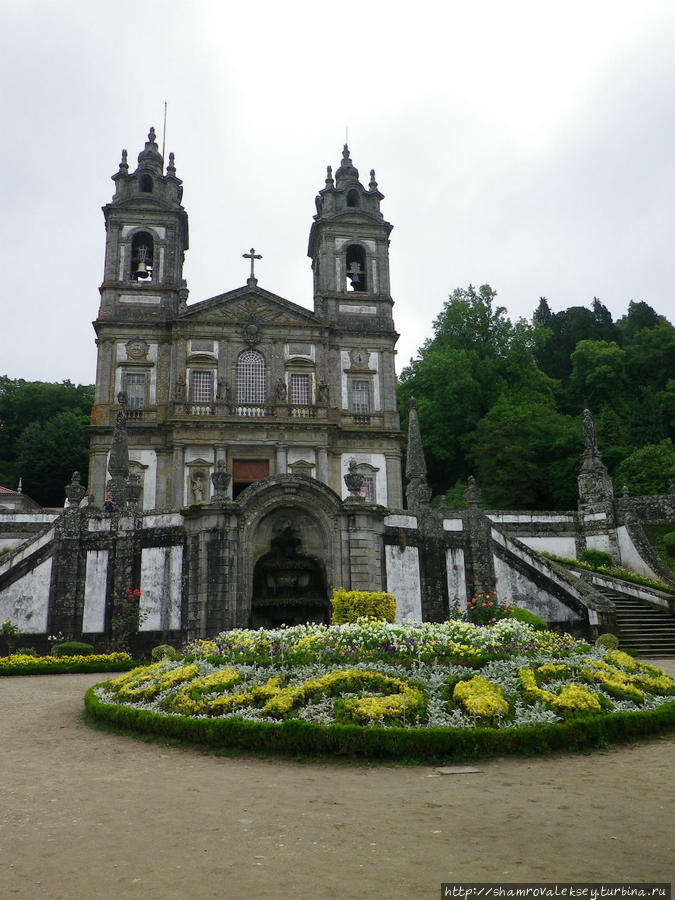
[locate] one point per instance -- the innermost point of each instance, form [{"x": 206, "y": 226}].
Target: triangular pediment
[{"x": 247, "y": 304}]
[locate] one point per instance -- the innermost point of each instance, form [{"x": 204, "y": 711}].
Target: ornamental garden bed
[{"x": 419, "y": 691}]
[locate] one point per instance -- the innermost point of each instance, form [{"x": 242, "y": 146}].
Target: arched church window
[
  {"x": 142, "y": 252},
  {"x": 353, "y": 197},
  {"x": 145, "y": 184},
  {"x": 356, "y": 268},
  {"x": 251, "y": 377}
]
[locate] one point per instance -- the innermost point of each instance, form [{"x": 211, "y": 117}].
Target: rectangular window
[
  {"x": 200, "y": 386},
  {"x": 360, "y": 398},
  {"x": 135, "y": 390},
  {"x": 299, "y": 390}
]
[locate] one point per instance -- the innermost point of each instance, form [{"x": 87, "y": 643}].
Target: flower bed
[
  {"x": 453, "y": 690},
  {"x": 25, "y": 664}
]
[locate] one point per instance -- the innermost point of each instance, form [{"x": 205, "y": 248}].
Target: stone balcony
[{"x": 185, "y": 410}]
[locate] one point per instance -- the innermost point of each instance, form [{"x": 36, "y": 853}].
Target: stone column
[
  {"x": 322, "y": 464},
  {"x": 282, "y": 459},
  {"x": 178, "y": 476}
]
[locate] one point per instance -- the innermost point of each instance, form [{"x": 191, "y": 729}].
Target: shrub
[
  {"x": 74, "y": 648},
  {"x": 596, "y": 557},
  {"x": 669, "y": 541},
  {"x": 26, "y": 651},
  {"x": 161, "y": 651},
  {"x": 524, "y": 615},
  {"x": 485, "y": 609},
  {"x": 348, "y": 606},
  {"x": 608, "y": 641}
]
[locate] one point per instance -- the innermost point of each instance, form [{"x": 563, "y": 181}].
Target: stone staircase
[{"x": 642, "y": 627}]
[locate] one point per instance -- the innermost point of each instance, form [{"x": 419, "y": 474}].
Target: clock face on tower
[{"x": 359, "y": 358}]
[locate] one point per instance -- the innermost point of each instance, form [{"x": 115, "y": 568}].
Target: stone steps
[{"x": 641, "y": 627}]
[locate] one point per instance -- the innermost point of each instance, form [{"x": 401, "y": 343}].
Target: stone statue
[
  {"x": 590, "y": 441},
  {"x": 279, "y": 395},
  {"x": 197, "y": 485},
  {"x": 472, "y": 494},
  {"x": 323, "y": 393},
  {"x": 179, "y": 388}
]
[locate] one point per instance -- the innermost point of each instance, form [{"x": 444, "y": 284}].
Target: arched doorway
[{"x": 289, "y": 579}]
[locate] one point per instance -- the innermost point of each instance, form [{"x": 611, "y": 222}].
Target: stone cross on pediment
[{"x": 252, "y": 256}]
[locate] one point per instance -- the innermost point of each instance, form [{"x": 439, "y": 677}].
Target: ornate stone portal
[{"x": 289, "y": 586}]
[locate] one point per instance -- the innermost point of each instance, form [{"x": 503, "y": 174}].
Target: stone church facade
[
  {"x": 246, "y": 382},
  {"x": 252, "y": 449}
]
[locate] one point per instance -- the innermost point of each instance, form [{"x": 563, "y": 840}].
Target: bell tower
[
  {"x": 146, "y": 240},
  {"x": 349, "y": 249},
  {"x": 142, "y": 294}
]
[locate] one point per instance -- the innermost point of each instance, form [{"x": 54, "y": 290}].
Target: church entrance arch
[{"x": 289, "y": 574}]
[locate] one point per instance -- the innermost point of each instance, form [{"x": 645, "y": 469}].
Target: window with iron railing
[
  {"x": 200, "y": 386},
  {"x": 251, "y": 377},
  {"x": 300, "y": 392}
]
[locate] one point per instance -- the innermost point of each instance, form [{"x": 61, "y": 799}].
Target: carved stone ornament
[
  {"x": 251, "y": 332},
  {"x": 359, "y": 358},
  {"x": 220, "y": 478},
  {"x": 354, "y": 480},
  {"x": 137, "y": 348},
  {"x": 75, "y": 490}
]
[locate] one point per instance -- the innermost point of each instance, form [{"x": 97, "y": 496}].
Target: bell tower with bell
[
  {"x": 142, "y": 293},
  {"x": 349, "y": 249},
  {"x": 146, "y": 239}
]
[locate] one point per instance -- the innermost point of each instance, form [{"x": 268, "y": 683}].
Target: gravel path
[{"x": 86, "y": 814}]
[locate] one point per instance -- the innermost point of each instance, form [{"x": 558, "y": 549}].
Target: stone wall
[{"x": 196, "y": 568}]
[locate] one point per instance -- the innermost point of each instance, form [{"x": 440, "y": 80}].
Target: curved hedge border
[
  {"x": 62, "y": 665},
  {"x": 421, "y": 744}
]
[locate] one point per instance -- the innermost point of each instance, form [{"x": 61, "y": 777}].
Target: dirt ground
[{"x": 84, "y": 813}]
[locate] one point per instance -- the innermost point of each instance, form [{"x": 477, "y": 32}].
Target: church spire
[
  {"x": 150, "y": 157},
  {"x": 347, "y": 173}
]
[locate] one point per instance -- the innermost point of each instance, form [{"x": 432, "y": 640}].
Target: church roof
[{"x": 251, "y": 301}]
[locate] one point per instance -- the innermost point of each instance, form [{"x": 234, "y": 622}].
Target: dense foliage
[
  {"x": 503, "y": 401},
  {"x": 43, "y": 437}
]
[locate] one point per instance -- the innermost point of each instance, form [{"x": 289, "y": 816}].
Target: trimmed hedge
[
  {"x": 348, "y": 606},
  {"x": 431, "y": 744},
  {"x": 73, "y": 648},
  {"x": 55, "y": 665}
]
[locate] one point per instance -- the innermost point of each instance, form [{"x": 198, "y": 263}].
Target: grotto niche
[{"x": 289, "y": 585}]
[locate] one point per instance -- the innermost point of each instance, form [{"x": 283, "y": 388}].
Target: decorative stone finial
[
  {"x": 124, "y": 165},
  {"x": 418, "y": 492},
  {"x": 372, "y": 184},
  {"x": 347, "y": 173},
  {"x": 624, "y": 491},
  {"x": 329, "y": 177},
  {"x": 354, "y": 481},
  {"x": 151, "y": 135},
  {"x": 118, "y": 463},
  {"x": 150, "y": 157},
  {"x": 221, "y": 481},
  {"x": 19, "y": 489},
  {"x": 171, "y": 168}
]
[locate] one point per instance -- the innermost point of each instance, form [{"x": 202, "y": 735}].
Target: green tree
[
  {"x": 47, "y": 454},
  {"x": 36, "y": 403},
  {"x": 526, "y": 454},
  {"x": 639, "y": 316},
  {"x": 474, "y": 355},
  {"x": 598, "y": 375},
  {"x": 648, "y": 470}
]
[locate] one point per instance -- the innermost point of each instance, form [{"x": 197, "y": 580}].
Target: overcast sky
[{"x": 528, "y": 145}]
